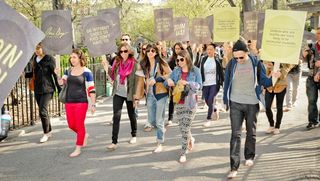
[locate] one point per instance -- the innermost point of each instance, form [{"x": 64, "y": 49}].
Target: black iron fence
[{"x": 22, "y": 104}]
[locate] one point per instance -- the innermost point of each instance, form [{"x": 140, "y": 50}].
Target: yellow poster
[
  {"x": 226, "y": 24},
  {"x": 282, "y": 36}
]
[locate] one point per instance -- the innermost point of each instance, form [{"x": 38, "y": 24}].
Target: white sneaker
[
  {"x": 270, "y": 130},
  {"x": 45, "y": 137},
  {"x": 248, "y": 163},
  {"x": 215, "y": 115},
  {"x": 183, "y": 159},
  {"x": 276, "y": 131},
  {"x": 207, "y": 124},
  {"x": 232, "y": 174},
  {"x": 133, "y": 140},
  {"x": 169, "y": 123},
  {"x": 158, "y": 149}
]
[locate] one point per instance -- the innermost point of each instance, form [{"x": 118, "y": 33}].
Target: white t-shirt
[{"x": 210, "y": 72}]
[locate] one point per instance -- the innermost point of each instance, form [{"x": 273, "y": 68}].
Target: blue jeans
[
  {"x": 156, "y": 113},
  {"x": 312, "y": 94}
]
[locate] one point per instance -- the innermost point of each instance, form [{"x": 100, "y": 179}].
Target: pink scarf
[{"x": 124, "y": 69}]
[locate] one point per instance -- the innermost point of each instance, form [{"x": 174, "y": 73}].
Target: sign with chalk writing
[
  {"x": 250, "y": 31},
  {"x": 226, "y": 24},
  {"x": 181, "y": 29},
  {"x": 200, "y": 31},
  {"x": 58, "y": 29},
  {"x": 282, "y": 35},
  {"x": 112, "y": 15},
  {"x": 163, "y": 24},
  {"x": 18, "y": 39},
  {"x": 98, "y": 35}
]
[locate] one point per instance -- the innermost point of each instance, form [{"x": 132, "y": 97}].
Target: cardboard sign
[
  {"x": 282, "y": 36},
  {"x": 163, "y": 24},
  {"x": 181, "y": 29},
  {"x": 210, "y": 22},
  {"x": 58, "y": 29},
  {"x": 260, "y": 29},
  {"x": 226, "y": 24},
  {"x": 98, "y": 35},
  {"x": 112, "y": 16},
  {"x": 18, "y": 39},
  {"x": 200, "y": 31},
  {"x": 250, "y": 31}
]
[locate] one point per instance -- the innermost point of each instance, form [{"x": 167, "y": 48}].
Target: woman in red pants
[{"x": 80, "y": 85}]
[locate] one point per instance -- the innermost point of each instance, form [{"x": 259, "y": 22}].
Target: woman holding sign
[
  {"x": 278, "y": 91},
  {"x": 79, "y": 81},
  {"x": 44, "y": 82},
  {"x": 156, "y": 71},
  {"x": 123, "y": 75},
  {"x": 189, "y": 77}
]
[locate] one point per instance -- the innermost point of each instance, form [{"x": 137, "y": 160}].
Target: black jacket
[
  {"x": 219, "y": 71},
  {"x": 45, "y": 78}
]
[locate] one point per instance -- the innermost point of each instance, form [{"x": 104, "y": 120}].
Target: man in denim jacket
[{"x": 244, "y": 78}]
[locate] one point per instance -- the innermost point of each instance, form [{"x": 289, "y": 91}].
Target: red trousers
[{"x": 76, "y": 114}]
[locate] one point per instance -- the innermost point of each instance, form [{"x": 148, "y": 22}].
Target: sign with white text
[
  {"x": 18, "y": 39},
  {"x": 58, "y": 29}
]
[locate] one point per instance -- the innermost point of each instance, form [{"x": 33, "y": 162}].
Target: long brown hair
[
  {"x": 185, "y": 54},
  {"x": 130, "y": 52},
  {"x": 145, "y": 63},
  {"x": 81, "y": 55}
]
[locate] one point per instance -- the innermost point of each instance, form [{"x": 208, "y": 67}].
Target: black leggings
[{"x": 269, "y": 99}]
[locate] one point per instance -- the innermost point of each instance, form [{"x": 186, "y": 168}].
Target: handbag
[
  {"x": 31, "y": 82},
  {"x": 177, "y": 92},
  {"x": 63, "y": 93},
  {"x": 160, "y": 88}
]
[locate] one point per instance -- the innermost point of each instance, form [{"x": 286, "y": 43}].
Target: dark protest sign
[
  {"x": 250, "y": 25},
  {"x": 18, "y": 39},
  {"x": 163, "y": 24},
  {"x": 112, "y": 16},
  {"x": 200, "y": 31},
  {"x": 181, "y": 29},
  {"x": 210, "y": 22},
  {"x": 98, "y": 36},
  {"x": 58, "y": 29},
  {"x": 260, "y": 29}
]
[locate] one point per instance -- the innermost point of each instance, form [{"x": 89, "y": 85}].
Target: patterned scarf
[{"x": 124, "y": 69}]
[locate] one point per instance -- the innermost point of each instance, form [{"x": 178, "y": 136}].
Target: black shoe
[{"x": 311, "y": 126}]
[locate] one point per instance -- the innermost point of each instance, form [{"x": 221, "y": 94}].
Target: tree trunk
[
  {"x": 275, "y": 4},
  {"x": 246, "y": 5},
  {"x": 57, "y": 4}
]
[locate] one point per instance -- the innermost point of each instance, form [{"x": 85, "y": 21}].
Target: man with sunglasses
[
  {"x": 125, "y": 38},
  {"x": 242, "y": 93}
]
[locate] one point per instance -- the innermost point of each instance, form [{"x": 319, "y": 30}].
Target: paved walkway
[{"x": 294, "y": 154}]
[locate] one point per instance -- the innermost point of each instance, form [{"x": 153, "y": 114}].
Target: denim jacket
[
  {"x": 229, "y": 76},
  {"x": 193, "y": 78}
]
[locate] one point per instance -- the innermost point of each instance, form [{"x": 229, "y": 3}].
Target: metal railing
[{"x": 22, "y": 104}]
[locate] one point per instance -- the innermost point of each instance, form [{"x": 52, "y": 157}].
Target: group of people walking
[{"x": 246, "y": 82}]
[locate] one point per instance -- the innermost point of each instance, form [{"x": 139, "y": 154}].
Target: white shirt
[{"x": 210, "y": 72}]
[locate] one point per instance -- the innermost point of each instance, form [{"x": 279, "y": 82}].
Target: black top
[
  {"x": 45, "y": 77},
  {"x": 76, "y": 90}
]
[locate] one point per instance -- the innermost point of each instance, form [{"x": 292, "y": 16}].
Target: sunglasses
[
  {"x": 180, "y": 59},
  {"x": 143, "y": 49},
  {"x": 124, "y": 51},
  {"x": 151, "y": 51},
  {"x": 125, "y": 39},
  {"x": 238, "y": 58}
]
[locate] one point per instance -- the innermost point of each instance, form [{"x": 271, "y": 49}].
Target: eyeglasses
[
  {"x": 238, "y": 58},
  {"x": 124, "y": 39},
  {"x": 124, "y": 51},
  {"x": 151, "y": 51},
  {"x": 180, "y": 59}
]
